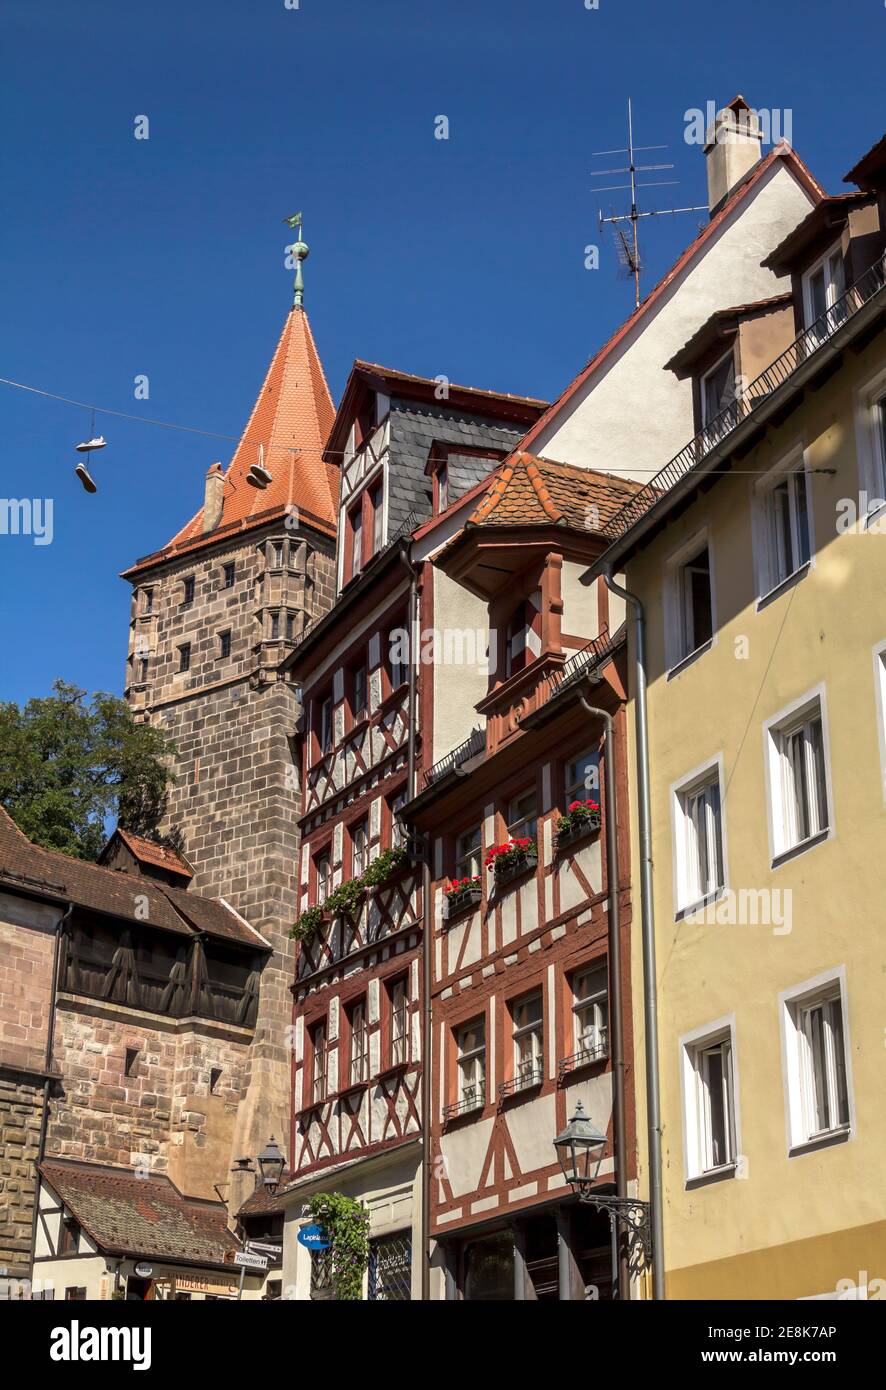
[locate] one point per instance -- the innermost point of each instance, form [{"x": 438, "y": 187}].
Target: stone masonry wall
[{"x": 21, "y": 1111}]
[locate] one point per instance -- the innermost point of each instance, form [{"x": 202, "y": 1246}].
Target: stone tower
[{"x": 213, "y": 614}]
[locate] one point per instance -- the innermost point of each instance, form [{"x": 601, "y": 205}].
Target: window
[
  {"x": 709, "y": 1102},
  {"x": 318, "y": 1065},
  {"x": 142, "y": 670},
  {"x": 359, "y": 848},
  {"x": 389, "y": 1275},
  {"x": 398, "y": 655},
  {"x": 816, "y": 1058},
  {"x": 823, "y": 285},
  {"x": 228, "y": 572},
  {"x": 582, "y": 778},
  {"x": 785, "y": 538},
  {"x": 699, "y": 839},
  {"x": 69, "y": 1236},
  {"x": 359, "y": 1061},
  {"x": 717, "y": 389},
  {"x": 184, "y": 657},
  {"x": 692, "y": 622},
  {"x": 527, "y": 1015},
  {"x": 215, "y": 1076},
  {"x": 359, "y": 694},
  {"x": 356, "y": 524},
  {"x": 276, "y": 555},
  {"x": 516, "y": 652},
  {"x": 224, "y": 645},
  {"x": 324, "y": 725},
  {"x": 468, "y": 857},
  {"x": 147, "y": 601},
  {"x": 275, "y": 626},
  {"x": 442, "y": 488},
  {"x": 130, "y": 1062},
  {"x": 398, "y": 831},
  {"x": 523, "y": 816},
  {"x": 798, "y": 778},
  {"x": 399, "y": 1000},
  {"x": 188, "y": 591},
  {"x": 470, "y": 1043},
  {"x": 324, "y": 876},
  {"x": 377, "y": 511},
  {"x": 590, "y": 1012},
  {"x": 74, "y": 1295},
  {"x": 290, "y": 627}
]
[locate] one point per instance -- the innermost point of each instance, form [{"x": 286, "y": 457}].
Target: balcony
[
  {"x": 472, "y": 1099},
  {"x": 586, "y": 1056},
  {"x": 527, "y": 1078},
  {"x": 758, "y": 402}
]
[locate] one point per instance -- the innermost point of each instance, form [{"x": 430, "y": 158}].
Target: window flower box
[
  {"x": 462, "y": 894},
  {"x": 512, "y": 859},
  {"x": 582, "y": 819}
]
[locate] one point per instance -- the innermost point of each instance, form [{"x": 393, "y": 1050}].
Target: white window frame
[
  {"x": 678, "y": 649},
  {"x": 319, "y": 1062},
  {"x": 590, "y": 1012},
  {"x": 574, "y": 788},
  {"x": 471, "y": 1063},
  {"x": 870, "y": 444},
  {"x": 689, "y": 893},
  {"x": 879, "y": 658},
  {"x": 518, "y": 821},
  {"x": 769, "y": 580},
  {"x": 469, "y": 855},
  {"x": 712, "y": 371},
  {"x": 399, "y": 1004},
  {"x": 802, "y": 1135},
  {"x": 358, "y": 1052},
  {"x": 809, "y": 315},
  {"x": 528, "y": 1070},
  {"x": 694, "y": 1047},
  {"x": 358, "y": 834},
  {"x": 779, "y": 812}
]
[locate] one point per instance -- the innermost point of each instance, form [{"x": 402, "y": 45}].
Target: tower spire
[{"x": 300, "y": 251}]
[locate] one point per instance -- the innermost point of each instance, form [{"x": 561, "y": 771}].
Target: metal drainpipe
[
  {"x": 616, "y": 1020},
  {"x": 647, "y": 929},
  {"x": 50, "y": 1039},
  {"x": 427, "y": 937}
]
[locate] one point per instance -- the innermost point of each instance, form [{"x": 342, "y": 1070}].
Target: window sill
[
  {"x": 359, "y": 726},
  {"x": 820, "y": 1141},
  {"x": 707, "y": 901},
  {"x": 395, "y": 1069},
  {"x": 517, "y": 1088},
  {"x": 393, "y": 698},
  {"x": 788, "y": 854},
  {"x": 712, "y": 1175},
  {"x": 691, "y": 657},
  {"x": 462, "y": 1110},
  {"x": 352, "y": 1090},
  {"x": 586, "y": 1060},
  {"x": 781, "y": 588}
]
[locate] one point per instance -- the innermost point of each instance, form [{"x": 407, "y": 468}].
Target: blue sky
[{"x": 164, "y": 257}]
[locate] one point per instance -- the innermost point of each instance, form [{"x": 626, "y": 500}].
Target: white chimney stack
[{"x": 733, "y": 142}]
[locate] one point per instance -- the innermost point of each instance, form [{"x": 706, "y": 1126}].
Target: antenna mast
[{"x": 628, "y": 250}]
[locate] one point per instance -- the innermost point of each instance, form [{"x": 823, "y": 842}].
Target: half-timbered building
[
  {"x": 523, "y": 1018},
  {"x": 404, "y": 443}
]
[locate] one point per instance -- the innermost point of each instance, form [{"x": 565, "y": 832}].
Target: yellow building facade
[{"x": 764, "y": 593}]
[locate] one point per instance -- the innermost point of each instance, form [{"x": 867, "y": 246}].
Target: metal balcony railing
[
  {"x": 473, "y": 744},
  {"x": 777, "y": 374}
]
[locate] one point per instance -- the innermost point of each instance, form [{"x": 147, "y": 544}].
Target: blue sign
[{"x": 314, "y": 1237}]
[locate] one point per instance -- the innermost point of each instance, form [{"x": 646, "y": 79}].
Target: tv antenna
[{"x": 627, "y": 245}]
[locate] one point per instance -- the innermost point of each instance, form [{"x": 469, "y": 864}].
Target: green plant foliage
[
  {"x": 346, "y": 899},
  {"x": 307, "y": 923},
  {"x": 346, "y": 1223},
  {"x": 383, "y": 866}
]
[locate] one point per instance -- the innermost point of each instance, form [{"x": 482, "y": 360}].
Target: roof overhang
[
  {"x": 721, "y": 325},
  {"x": 870, "y": 171},
  {"x": 824, "y": 222}
]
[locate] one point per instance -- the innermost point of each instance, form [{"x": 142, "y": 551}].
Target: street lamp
[
  {"x": 580, "y": 1151},
  {"x": 271, "y": 1163}
]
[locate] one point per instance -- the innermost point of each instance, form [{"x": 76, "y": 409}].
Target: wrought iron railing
[
  {"x": 592, "y": 1052},
  {"x": 466, "y": 1105},
  {"x": 525, "y": 1080},
  {"x": 716, "y": 432},
  {"x": 473, "y": 744}
]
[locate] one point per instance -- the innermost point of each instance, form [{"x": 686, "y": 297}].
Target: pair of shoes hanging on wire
[{"x": 87, "y": 447}]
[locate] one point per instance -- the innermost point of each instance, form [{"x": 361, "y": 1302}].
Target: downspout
[
  {"x": 427, "y": 937},
  {"x": 647, "y": 930},
  {"x": 47, "y": 1080},
  {"x": 616, "y": 1017}
]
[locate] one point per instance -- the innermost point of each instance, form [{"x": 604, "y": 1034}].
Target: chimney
[
  {"x": 732, "y": 149},
  {"x": 214, "y": 498}
]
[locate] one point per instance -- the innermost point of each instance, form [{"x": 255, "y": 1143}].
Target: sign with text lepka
[
  {"x": 314, "y": 1237},
  {"x": 248, "y": 1261}
]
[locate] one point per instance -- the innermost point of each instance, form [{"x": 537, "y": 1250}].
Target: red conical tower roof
[{"x": 286, "y": 432}]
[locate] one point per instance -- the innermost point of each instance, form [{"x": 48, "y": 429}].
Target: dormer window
[
  {"x": 717, "y": 389},
  {"x": 442, "y": 488},
  {"x": 823, "y": 285}
]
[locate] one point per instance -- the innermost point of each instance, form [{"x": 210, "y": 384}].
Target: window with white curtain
[
  {"x": 816, "y": 1056},
  {"x": 590, "y": 1011},
  {"x": 527, "y": 1014},
  {"x": 709, "y": 1101},
  {"x": 784, "y": 532},
  {"x": 698, "y": 818},
  {"x": 823, "y": 286},
  {"x": 798, "y": 778},
  {"x": 470, "y": 1042}
]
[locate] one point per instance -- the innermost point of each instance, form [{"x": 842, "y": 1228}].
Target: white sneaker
[
  {"x": 258, "y": 476},
  {"x": 98, "y": 443},
  {"x": 84, "y": 477}
]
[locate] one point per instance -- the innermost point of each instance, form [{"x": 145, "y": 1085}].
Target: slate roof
[
  {"x": 146, "y": 1217},
  {"x": 527, "y": 491},
  {"x": 291, "y": 419},
  {"x": 27, "y": 866}
]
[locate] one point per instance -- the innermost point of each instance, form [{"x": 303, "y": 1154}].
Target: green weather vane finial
[{"x": 300, "y": 251}]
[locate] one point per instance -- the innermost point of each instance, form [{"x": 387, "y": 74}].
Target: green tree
[{"x": 69, "y": 764}]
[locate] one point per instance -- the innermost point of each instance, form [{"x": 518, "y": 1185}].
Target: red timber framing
[{"x": 356, "y": 1018}]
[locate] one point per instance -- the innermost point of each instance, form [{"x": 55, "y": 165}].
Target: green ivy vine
[{"x": 346, "y": 1223}]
